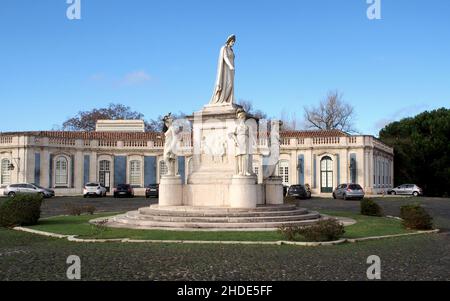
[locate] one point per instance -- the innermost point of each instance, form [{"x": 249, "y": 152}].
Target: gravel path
[{"x": 27, "y": 257}]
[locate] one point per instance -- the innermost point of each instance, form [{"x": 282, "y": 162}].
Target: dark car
[
  {"x": 299, "y": 191},
  {"x": 152, "y": 191},
  {"x": 124, "y": 190}
]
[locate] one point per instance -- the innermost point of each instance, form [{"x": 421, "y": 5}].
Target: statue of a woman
[
  {"x": 241, "y": 137},
  {"x": 224, "y": 89},
  {"x": 170, "y": 144}
]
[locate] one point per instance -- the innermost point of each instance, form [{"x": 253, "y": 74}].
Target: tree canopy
[
  {"x": 86, "y": 120},
  {"x": 422, "y": 150}
]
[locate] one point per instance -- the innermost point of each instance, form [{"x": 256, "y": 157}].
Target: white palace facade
[{"x": 66, "y": 161}]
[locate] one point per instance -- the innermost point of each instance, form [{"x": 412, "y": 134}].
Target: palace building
[{"x": 121, "y": 152}]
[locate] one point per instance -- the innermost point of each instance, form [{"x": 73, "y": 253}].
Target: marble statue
[
  {"x": 224, "y": 89},
  {"x": 241, "y": 137},
  {"x": 170, "y": 145}
]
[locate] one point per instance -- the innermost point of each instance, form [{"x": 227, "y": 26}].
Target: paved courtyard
[{"x": 28, "y": 257}]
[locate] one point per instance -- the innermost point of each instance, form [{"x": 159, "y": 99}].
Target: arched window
[
  {"x": 135, "y": 173},
  {"x": 61, "y": 171},
  {"x": 5, "y": 177},
  {"x": 283, "y": 172},
  {"x": 326, "y": 174},
  {"x": 163, "y": 170},
  {"x": 104, "y": 173}
]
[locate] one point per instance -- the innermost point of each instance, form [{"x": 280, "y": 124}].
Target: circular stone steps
[{"x": 186, "y": 217}]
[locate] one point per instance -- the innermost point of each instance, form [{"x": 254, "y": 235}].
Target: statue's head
[
  {"x": 168, "y": 120},
  {"x": 241, "y": 114},
  {"x": 231, "y": 40}
]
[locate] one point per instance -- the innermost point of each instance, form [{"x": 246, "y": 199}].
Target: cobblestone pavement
[
  {"x": 27, "y": 257},
  {"x": 57, "y": 206},
  {"x": 439, "y": 208}
]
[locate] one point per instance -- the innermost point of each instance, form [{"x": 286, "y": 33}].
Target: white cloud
[{"x": 135, "y": 78}]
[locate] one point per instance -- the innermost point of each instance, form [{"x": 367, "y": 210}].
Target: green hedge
[
  {"x": 370, "y": 208},
  {"x": 416, "y": 217},
  {"x": 22, "y": 210}
]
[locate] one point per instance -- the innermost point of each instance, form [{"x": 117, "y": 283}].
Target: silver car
[
  {"x": 13, "y": 189},
  {"x": 348, "y": 191},
  {"x": 407, "y": 189}
]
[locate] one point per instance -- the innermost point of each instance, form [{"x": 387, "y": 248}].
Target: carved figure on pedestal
[
  {"x": 241, "y": 137},
  {"x": 224, "y": 89},
  {"x": 170, "y": 145}
]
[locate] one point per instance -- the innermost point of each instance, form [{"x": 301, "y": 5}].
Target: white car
[{"x": 94, "y": 189}]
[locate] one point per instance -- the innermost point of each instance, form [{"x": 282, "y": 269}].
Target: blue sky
[{"x": 161, "y": 56}]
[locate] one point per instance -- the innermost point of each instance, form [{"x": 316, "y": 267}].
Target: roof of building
[
  {"x": 124, "y": 136},
  {"x": 89, "y": 135},
  {"x": 314, "y": 134}
]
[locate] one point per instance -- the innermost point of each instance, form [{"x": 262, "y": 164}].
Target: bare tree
[
  {"x": 247, "y": 105},
  {"x": 332, "y": 113},
  {"x": 289, "y": 121}
]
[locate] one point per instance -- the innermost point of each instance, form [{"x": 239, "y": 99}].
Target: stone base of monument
[
  {"x": 219, "y": 219},
  {"x": 243, "y": 192},
  {"x": 274, "y": 191},
  {"x": 171, "y": 191}
]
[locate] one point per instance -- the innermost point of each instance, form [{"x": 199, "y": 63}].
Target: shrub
[
  {"x": 78, "y": 210},
  {"x": 22, "y": 210},
  {"x": 324, "y": 230},
  {"x": 370, "y": 208},
  {"x": 288, "y": 232},
  {"x": 90, "y": 209},
  {"x": 416, "y": 217}
]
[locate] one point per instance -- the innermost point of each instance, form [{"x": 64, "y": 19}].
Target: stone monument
[{"x": 221, "y": 191}]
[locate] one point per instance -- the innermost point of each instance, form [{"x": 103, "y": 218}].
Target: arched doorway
[
  {"x": 104, "y": 174},
  {"x": 326, "y": 175}
]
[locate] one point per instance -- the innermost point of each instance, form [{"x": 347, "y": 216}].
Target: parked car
[
  {"x": 408, "y": 189},
  {"x": 152, "y": 191},
  {"x": 349, "y": 191},
  {"x": 299, "y": 191},
  {"x": 124, "y": 190},
  {"x": 13, "y": 189},
  {"x": 94, "y": 189}
]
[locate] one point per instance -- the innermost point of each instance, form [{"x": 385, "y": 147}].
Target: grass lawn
[{"x": 79, "y": 225}]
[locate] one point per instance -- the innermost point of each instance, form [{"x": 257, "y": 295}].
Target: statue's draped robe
[{"x": 224, "y": 89}]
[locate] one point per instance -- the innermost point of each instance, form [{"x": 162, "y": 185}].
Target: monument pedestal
[
  {"x": 274, "y": 191},
  {"x": 171, "y": 191},
  {"x": 243, "y": 192}
]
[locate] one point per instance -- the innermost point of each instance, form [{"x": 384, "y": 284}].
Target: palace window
[
  {"x": 61, "y": 171},
  {"x": 163, "y": 170},
  {"x": 5, "y": 177},
  {"x": 105, "y": 173},
  {"x": 256, "y": 168},
  {"x": 283, "y": 172},
  {"x": 135, "y": 173}
]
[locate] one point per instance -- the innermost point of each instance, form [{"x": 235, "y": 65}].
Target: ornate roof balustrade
[{"x": 155, "y": 141}]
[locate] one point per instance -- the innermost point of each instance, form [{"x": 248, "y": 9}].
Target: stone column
[
  {"x": 243, "y": 192},
  {"x": 170, "y": 191},
  {"x": 274, "y": 191}
]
